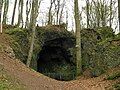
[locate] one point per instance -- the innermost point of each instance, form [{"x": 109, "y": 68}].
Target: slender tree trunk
[
  {"x": 6, "y": 5},
  {"x": 20, "y": 15},
  {"x": 50, "y": 13},
  {"x": 98, "y": 14},
  {"x": 66, "y": 20},
  {"x": 22, "y": 3},
  {"x": 28, "y": 8},
  {"x": 78, "y": 39},
  {"x": 1, "y": 4},
  {"x": 119, "y": 13},
  {"x": 110, "y": 23},
  {"x": 103, "y": 13},
  {"x": 13, "y": 15},
  {"x": 61, "y": 12},
  {"x": 58, "y": 9},
  {"x": 87, "y": 4},
  {"x": 31, "y": 47},
  {"x": 34, "y": 14}
]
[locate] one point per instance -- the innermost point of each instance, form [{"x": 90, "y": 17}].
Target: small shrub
[{"x": 14, "y": 31}]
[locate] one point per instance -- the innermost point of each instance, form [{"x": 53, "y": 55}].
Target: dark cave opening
[{"x": 54, "y": 60}]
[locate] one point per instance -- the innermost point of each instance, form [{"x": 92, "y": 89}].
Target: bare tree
[
  {"x": 96, "y": 13},
  {"x": 110, "y": 23},
  {"x": 1, "y": 4},
  {"x": 34, "y": 15},
  {"x": 61, "y": 12},
  {"x": 100, "y": 13},
  {"x": 28, "y": 8},
  {"x": 13, "y": 15},
  {"x": 20, "y": 14},
  {"x": 87, "y": 12},
  {"x": 34, "y": 7},
  {"x": 103, "y": 13},
  {"x": 67, "y": 20},
  {"x": 50, "y": 17},
  {"x": 119, "y": 13},
  {"x": 57, "y": 13},
  {"x": 78, "y": 39},
  {"x": 6, "y": 5}
]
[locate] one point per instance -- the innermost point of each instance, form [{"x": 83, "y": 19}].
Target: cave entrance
[{"x": 55, "y": 60}]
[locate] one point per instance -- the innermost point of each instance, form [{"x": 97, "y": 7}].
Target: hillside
[
  {"x": 32, "y": 80},
  {"x": 59, "y": 44}
]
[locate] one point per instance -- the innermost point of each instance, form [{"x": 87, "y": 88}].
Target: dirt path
[{"x": 33, "y": 80}]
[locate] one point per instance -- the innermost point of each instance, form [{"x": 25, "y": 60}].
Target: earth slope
[{"x": 33, "y": 80}]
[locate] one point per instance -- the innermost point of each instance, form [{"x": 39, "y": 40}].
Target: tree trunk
[
  {"x": 110, "y": 23},
  {"x": 58, "y": 9},
  {"x": 103, "y": 13},
  {"x": 34, "y": 14},
  {"x": 87, "y": 11},
  {"x": 61, "y": 12},
  {"x": 31, "y": 47},
  {"x": 6, "y": 5},
  {"x": 28, "y": 8},
  {"x": 119, "y": 13},
  {"x": 50, "y": 13},
  {"x": 13, "y": 15},
  {"x": 98, "y": 14},
  {"x": 20, "y": 15},
  {"x": 1, "y": 4},
  {"x": 78, "y": 39},
  {"x": 66, "y": 20}
]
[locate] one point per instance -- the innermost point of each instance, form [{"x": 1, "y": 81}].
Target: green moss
[
  {"x": 98, "y": 51},
  {"x": 14, "y": 31},
  {"x": 105, "y": 32},
  {"x": 19, "y": 42},
  {"x": 117, "y": 86},
  {"x": 117, "y": 37},
  {"x": 114, "y": 76}
]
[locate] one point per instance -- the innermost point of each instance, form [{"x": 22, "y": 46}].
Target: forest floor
[{"x": 33, "y": 80}]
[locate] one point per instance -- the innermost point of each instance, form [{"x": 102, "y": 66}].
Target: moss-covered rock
[
  {"x": 105, "y": 32},
  {"x": 100, "y": 50},
  {"x": 114, "y": 76},
  {"x": 20, "y": 42},
  {"x": 44, "y": 37},
  {"x": 117, "y": 86},
  {"x": 100, "y": 47}
]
